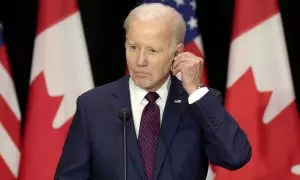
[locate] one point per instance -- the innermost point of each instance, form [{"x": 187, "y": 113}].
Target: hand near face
[{"x": 190, "y": 67}]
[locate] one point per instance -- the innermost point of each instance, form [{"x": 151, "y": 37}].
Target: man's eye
[
  {"x": 153, "y": 51},
  {"x": 133, "y": 47}
]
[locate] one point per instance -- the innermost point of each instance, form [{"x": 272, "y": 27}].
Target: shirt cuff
[{"x": 198, "y": 94}]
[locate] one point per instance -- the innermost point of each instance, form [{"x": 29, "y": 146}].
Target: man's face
[{"x": 149, "y": 52}]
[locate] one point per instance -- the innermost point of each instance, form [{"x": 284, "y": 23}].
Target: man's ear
[{"x": 179, "y": 48}]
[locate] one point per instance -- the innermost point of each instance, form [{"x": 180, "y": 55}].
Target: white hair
[{"x": 150, "y": 11}]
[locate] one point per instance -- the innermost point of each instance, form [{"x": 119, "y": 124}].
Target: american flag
[
  {"x": 10, "y": 117},
  {"x": 187, "y": 8}
]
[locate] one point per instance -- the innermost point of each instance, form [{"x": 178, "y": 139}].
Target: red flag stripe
[
  {"x": 54, "y": 11},
  {"x": 5, "y": 173},
  {"x": 250, "y": 13},
  {"x": 193, "y": 48},
  {"x": 7, "y": 90},
  {"x": 9, "y": 151},
  {"x": 10, "y": 115},
  {"x": 10, "y": 121}
]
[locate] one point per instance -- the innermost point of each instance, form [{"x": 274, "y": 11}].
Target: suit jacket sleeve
[
  {"x": 226, "y": 144},
  {"x": 75, "y": 159}
]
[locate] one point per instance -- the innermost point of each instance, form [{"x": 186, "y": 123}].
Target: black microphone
[{"x": 124, "y": 116}]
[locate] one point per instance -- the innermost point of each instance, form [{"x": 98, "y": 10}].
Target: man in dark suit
[{"x": 176, "y": 127}]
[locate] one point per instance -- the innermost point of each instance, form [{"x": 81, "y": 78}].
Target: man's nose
[{"x": 142, "y": 58}]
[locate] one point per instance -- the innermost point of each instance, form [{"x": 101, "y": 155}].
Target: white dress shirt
[{"x": 138, "y": 101}]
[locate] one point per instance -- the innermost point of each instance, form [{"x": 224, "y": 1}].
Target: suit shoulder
[{"x": 102, "y": 91}]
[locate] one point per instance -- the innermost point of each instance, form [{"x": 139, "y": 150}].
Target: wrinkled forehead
[
  {"x": 158, "y": 29},
  {"x": 159, "y": 23}
]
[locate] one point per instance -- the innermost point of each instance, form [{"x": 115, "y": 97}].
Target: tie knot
[{"x": 152, "y": 96}]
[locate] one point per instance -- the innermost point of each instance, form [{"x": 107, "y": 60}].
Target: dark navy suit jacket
[{"x": 191, "y": 136}]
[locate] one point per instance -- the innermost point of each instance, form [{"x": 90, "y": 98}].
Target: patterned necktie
[{"x": 149, "y": 133}]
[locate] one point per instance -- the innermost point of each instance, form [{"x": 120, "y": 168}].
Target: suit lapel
[
  {"x": 171, "y": 118},
  {"x": 123, "y": 96},
  {"x": 175, "y": 104}
]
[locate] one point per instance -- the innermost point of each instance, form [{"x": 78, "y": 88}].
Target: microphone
[{"x": 124, "y": 116}]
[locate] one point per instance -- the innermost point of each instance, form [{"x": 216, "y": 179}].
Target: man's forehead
[
  {"x": 159, "y": 21},
  {"x": 150, "y": 27}
]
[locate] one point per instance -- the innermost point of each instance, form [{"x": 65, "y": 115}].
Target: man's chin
[{"x": 141, "y": 83}]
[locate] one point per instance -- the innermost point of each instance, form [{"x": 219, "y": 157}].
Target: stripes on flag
[{"x": 10, "y": 117}]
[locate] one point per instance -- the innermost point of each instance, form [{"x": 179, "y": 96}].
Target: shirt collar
[{"x": 140, "y": 93}]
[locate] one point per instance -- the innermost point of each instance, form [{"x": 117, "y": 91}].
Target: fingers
[
  {"x": 186, "y": 61},
  {"x": 187, "y": 57},
  {"x": 183, "y": 66}
]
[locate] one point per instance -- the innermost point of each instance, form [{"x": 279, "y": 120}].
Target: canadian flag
[
  {"x": 10, "y": 117},
  {"x": 60, "y": 73},
  {"x": 260, "y": 94}
]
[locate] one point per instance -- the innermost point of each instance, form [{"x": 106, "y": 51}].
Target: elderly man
[{"x": 176, "y": 127}]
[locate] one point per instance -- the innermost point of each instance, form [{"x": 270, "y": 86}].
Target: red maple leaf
[
  {"x": 42, "y": 143},
  {"x": 274, "y": 145}
]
